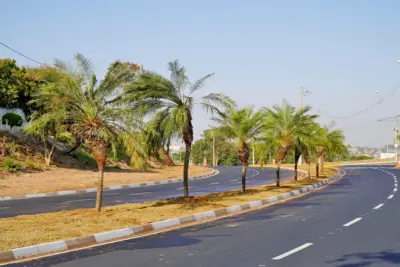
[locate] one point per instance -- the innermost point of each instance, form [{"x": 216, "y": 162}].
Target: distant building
[{"x": 383, "y": 155}]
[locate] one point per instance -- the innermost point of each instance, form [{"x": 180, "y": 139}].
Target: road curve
[
  {"x": 228, "y": 178},
  {"x": 351, "y": 223}
]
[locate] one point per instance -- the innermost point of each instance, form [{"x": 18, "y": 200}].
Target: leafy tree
[
  {"x": 15, "y": 85},
  {"x": 86, "y": 103},
  {"x": 174, "y": 99},
  {"x": 47, "y": 125},
  {"x": 329, "y": 141},
  {"x": 288, "y": 125},
  {"x": 12, "y": 119},
  {"x": 244, "y": 125}
]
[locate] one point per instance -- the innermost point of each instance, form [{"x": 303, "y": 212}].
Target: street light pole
[{"x": 214, "y": 162}]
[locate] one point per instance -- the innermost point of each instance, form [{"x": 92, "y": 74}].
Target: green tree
[
  {"x": 86, "y": 103},
  {"x": 174, "y": 98},
  {"x": 12, "y": 119},
  {"x": 15, "y": 85},
  {"x": 244, "y": 125},
  {"x": 288, "y": 125},
  {"x": 329, "y": 142}
]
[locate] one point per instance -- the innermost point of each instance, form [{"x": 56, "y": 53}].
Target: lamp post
[{"x": 302, "y": 95}]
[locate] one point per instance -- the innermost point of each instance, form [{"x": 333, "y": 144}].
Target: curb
[
  {"x": 107, "y": 188},
  {"x": 81, "y": 242}
]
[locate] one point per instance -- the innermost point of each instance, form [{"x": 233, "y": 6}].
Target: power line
[
  {"x": 19, "y": 53},
  {"x": 372, "y": 106}
]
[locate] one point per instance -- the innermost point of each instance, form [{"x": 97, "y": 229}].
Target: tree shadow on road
[{"x": 363, "y": 259}]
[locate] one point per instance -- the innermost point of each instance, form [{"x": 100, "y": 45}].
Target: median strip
[{"x": 28, "y": 228}]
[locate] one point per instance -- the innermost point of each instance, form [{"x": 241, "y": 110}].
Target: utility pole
[
  {"x": 213, "y": 147},
  {"x": 301, "y": 96},
  {"x": 300, "y": 161},
  {"x": 254, "y": 148},
  {"x": 395, "y": 138}
]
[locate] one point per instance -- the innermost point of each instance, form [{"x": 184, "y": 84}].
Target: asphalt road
[
  {"x": 229, "y": 178},
  {"x": 351, "y": 223}
]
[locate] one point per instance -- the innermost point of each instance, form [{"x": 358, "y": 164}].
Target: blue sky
[{"x": 260, "y": 51}]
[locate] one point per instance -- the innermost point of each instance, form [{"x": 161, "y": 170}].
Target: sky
[{"x": 260, "y": 51}]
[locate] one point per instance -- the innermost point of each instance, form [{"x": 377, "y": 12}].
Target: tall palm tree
[
  {"x": 288, "y": 126},
  {"x": 172, "y": 100},
  {"x": 86, "y": 103},
  {"x": 329, "y": 141},
  {"x": 244, "y": 125}
]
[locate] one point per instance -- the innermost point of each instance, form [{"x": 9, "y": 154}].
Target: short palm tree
[
  {"x": 86, "y": 103},
  {"x": 244, "y": 125},
  {"x": 329, "y": 141},
  {"x": 288, "y": 126},
  {"x": 173, "y": 100}
]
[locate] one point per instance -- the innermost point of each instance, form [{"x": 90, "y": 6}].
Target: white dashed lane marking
[
  {"x": 379, "y": 206},
  {"x": 290, "y": 252},
  {"x": 3, "y": 208},
  {"x": 390, "y": 197},
  {"x": 352, "y": 222},
  {"x": 213, "y": 183}
]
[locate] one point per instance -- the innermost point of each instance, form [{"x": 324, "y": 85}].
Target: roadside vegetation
[{"x": 131, "y": 117}]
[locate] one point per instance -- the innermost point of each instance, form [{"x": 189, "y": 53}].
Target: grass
[{"x": 33, "y": 229}]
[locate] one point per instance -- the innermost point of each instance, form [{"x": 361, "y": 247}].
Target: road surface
[
  {"x": 229, "y": 178},
  {"x": 351, "y": 223}
]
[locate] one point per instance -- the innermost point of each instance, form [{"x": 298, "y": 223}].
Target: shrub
[
  {"x": 11, "y": 165},
  {"x": 85, "y": 160},
  {"x": 12, "y": 119}
]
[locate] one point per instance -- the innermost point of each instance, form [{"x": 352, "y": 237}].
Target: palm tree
[
  {"x": 173, "y": 100},
  {"x": 244, "y": 125},
  {"x": 288, "y": 126},
  {"x": 158, "y": 134},
  {"x": 86, "y": 103},
  {"x": 329, "y": 141}
]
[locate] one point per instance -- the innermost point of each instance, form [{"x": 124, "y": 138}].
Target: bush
[
  {"x": 12, "y": 119},
  {"x": 85, "y": 160},
  {"x": 11, "y": 165}
]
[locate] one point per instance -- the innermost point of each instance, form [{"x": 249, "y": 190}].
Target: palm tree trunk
[
  {"x": 166, "y": 159},
  {"x": 188, "y": 139},
  {"x": 278, "y": 168},
  {"x": 186, "y": 171},
  {"x": 100, "y": 183},
  {"x": 295, "y": 169},
  {"x": 244, "y": 170},
  {"x": 317, "y": 169},
  {"x": 100, "y": 153},
  {"x": 309, "y": 171}
]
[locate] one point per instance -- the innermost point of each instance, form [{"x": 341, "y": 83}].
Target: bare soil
[{"x": 58, "y": 179}]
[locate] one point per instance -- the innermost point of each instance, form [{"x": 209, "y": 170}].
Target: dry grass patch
[
  {"x": 58, "y": 179},
  {"x": 34, "y": 229}
]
